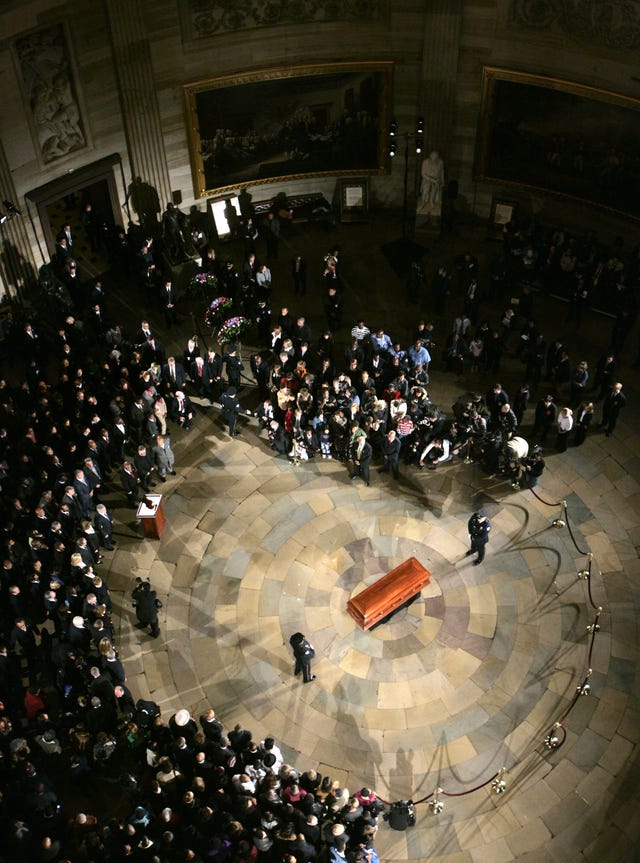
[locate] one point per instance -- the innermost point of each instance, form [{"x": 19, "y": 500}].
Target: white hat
[
  {"x": 78, "y": 621},
  {"x": 182, "y": 717}
]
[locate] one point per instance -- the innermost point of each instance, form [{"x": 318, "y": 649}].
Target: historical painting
[
  {"x": 285, "y": 123},
  {"x": 49, "y": 86},
  {"x": 560, "y": 137}
]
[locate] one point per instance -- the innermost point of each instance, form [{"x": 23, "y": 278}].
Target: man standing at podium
[{"x": 478, "y": 527}]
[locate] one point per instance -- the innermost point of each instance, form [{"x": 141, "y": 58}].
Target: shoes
[
  {"x": 173, "y": 473},
  {"x": 309, "y": 679},
  {"x": 469, "y": 553},
  {"x": 154, "y": 484},
  {"x": 163, "y": 479},
  {"x": 329, "y": 456},
  {"x": 368, "y": 484},
  {"x": 477, "y": 562},
  {"x": 354, "y": 476}
]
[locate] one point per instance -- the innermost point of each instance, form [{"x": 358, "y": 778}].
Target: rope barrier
[{"x": 557, "y": 735}]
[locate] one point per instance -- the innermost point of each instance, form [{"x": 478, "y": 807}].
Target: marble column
[
  {"x": 18, "y": 270},
  {"x": 139, "y": 105},
  {"x": 443, "y": 22}
]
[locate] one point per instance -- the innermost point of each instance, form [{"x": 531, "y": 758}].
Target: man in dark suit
[
  {"x": 152, "y": 352},
  {"x": 145, "y": 332},
  {"x": 145, "y": 467},
  {"x": 103, "y": 524},
  {"x": 250, "y": 270},
  {"x": 233, "y": 366},
  {"x": 182, "y": 411},
  {"x": 119, "y": 435},
  {"x": 303, "y": 653},
  {"x": 93, "y": 476},
  {"x": 137, "y": 418},
  {"x": 130, "y": 483},
  {"x": 70, "y": 498},
  {"x": 614, "y": 401},
  {"x": 147, "y": 604},
  {"x": 212, "y": 374},
  {"x": 168, "y": 301},
  {"x": 361, "y": 453},
  {"x": 391, "y": 453},
  {"x": 299, "y": 273},
  {"x": 262, "y": 374},
  {"x": 84, "y": 492},
  {"x": 173, "y": 375}
]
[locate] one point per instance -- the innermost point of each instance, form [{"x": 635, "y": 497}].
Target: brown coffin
[{"x": 388, "y": 593}]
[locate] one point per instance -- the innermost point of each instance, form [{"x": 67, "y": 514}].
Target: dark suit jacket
[
  {"x": 365, "y": 455},
  {"x": 391, "y": 449},
  {"x": 179, "y": 381},
  {"x": 103, "y": 524},
  {"x": 129, "y": 483},
  {"x": 212, "y": 370},
  {"x": 187, "y": 409}
]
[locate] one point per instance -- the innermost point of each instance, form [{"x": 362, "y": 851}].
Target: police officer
[
  {"x": 478, "y": 527},
  {"x": 303, "y": 653},
  {"x": 230, "y": 407}
]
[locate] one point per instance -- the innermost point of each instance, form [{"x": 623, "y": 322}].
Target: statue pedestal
[{"x": 429, "y": 217}]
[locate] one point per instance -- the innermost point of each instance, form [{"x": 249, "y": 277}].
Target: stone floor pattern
[{"x": 467, "y": 680}]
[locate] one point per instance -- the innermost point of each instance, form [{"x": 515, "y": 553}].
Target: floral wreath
[
  {"x": 203, "y": 280},
  {"x": 215, "y": 310},
  {"x": 232, "y": 329}
]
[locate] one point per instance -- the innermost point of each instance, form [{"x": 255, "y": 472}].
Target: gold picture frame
[
  {"x": 559, "y": 137},
  {"x": 288, "y": 123}
]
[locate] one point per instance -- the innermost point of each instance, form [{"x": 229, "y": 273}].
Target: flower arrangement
[
  {"x": 232, "y": 329},
  {"x": 203, "y": 282},
  {"x": 216, "y": 309}
]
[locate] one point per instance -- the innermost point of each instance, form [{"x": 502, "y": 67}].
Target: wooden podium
[
  {"x": 388, "y": 593},
  {"x": 151, "y": 514}
]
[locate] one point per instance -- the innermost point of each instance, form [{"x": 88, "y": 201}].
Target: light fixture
[
  {"x": 393, "y": 128},
  {"x": 499, "y": 785},
  {"x": 419, "y": 135},
  {"x": 392, "y": 149},
  {"x": 556, "y": 737},
  {"x": 583, "y": 574},
  {"x": 436, "y": 805}
]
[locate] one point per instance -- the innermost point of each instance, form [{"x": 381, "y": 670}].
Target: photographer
[
  {"x": 146, "y": 604},
  {"x": 532, "y": 468}
]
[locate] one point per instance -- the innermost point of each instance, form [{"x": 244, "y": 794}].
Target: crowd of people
[{"x": 94, "y": 417}]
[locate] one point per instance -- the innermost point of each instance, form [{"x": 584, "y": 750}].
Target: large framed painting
[
  {"x": 560, "y": 137},
  {"x": 279, "y": 124}
]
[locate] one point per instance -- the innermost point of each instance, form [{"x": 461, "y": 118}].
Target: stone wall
[{"x": 131, "y": 59}]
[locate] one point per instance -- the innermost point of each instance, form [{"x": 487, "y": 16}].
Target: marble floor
[{"x": 467, "y": 680}]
